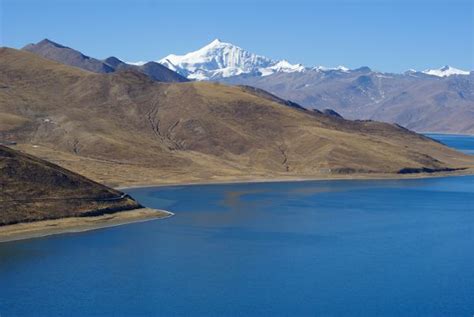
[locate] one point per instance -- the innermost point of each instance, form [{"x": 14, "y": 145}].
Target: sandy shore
[{"x": 78, "y": 224}]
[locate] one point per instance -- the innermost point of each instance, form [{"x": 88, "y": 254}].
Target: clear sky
[{"x": 387, "y": 35}]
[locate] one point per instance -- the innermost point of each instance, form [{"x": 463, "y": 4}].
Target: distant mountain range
[
  {"x": 433, "y": 100},
  {"x": 220, "y": 59},
  {"x": 418, "y": 101},
  {"x": 437, "y": 100}
]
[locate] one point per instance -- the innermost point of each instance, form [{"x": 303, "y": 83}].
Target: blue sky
[{"x": 385, "y": 35}]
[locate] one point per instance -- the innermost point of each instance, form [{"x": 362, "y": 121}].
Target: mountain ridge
[
  {"x": 445, "y": 71},
  {"x": 123, "y": 127},
  {"x": 442, "y": 101},
  {"x": 68, "y": 56},
  {"x": 219, "y": 59},
  {"x": 418, "y": 101}
]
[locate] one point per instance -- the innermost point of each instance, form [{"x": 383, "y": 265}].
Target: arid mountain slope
[
  {"x": 415, "y": 100},
  {"x": 32, "y": 189},
  {"x": 125, "y": 121},
  {"x": 68, "y": 56}
]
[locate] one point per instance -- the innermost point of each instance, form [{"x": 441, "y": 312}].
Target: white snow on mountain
[
  {"x": 326, "y": 69},
  {"x": 282, "y": 66},
  {"x": 445, "y": 71},
  {"x": 140, "y": 63},
  {"x": 220, "y": 59}
]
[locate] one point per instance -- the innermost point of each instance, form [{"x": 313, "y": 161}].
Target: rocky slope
[
  {"x": 123, "y": 125},
  {"x": 68, "y": 56},
  {"x": 32, "y": 189}
]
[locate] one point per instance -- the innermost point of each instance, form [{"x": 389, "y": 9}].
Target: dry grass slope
[
  {"x": 122, "y": 128},
  {"x": 32, "y": 189}
]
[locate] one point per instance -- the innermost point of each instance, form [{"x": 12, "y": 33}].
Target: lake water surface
[{"x": 337, "y": 248}]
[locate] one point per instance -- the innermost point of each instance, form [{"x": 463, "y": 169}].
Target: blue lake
[
  {"x": 463, "y": 143},
  {"x": 331, "y": 248}
]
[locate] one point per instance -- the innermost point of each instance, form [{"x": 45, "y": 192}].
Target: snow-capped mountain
[
  {"x": 326, "y": 69},
  {"x": 282, "y": 66},
  {"x": 220, "y": 59},
  {"x": 445, "y": 71}
]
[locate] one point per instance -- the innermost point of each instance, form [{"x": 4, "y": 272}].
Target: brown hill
[
  {"x": 125, "y": 128},
  {"x": 32, "y": 189}
]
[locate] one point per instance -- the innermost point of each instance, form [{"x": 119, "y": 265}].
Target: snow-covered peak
[
  {"x": 413, "y": 73},
  {"x": 220, "y": 59},
  {"x": 445, "y": 71},
  {"x": 282, "y": 66},
  {"x": 326, "y": 69},
  {"x": 140, "y": 63},
  {"x": 216, "y": 42}
]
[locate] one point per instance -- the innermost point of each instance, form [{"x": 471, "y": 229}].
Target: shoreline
[
  {"x": 446, "y": 133},
  {"x": 376, "y": 177},
  {"x": 38, "y": 229}
]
